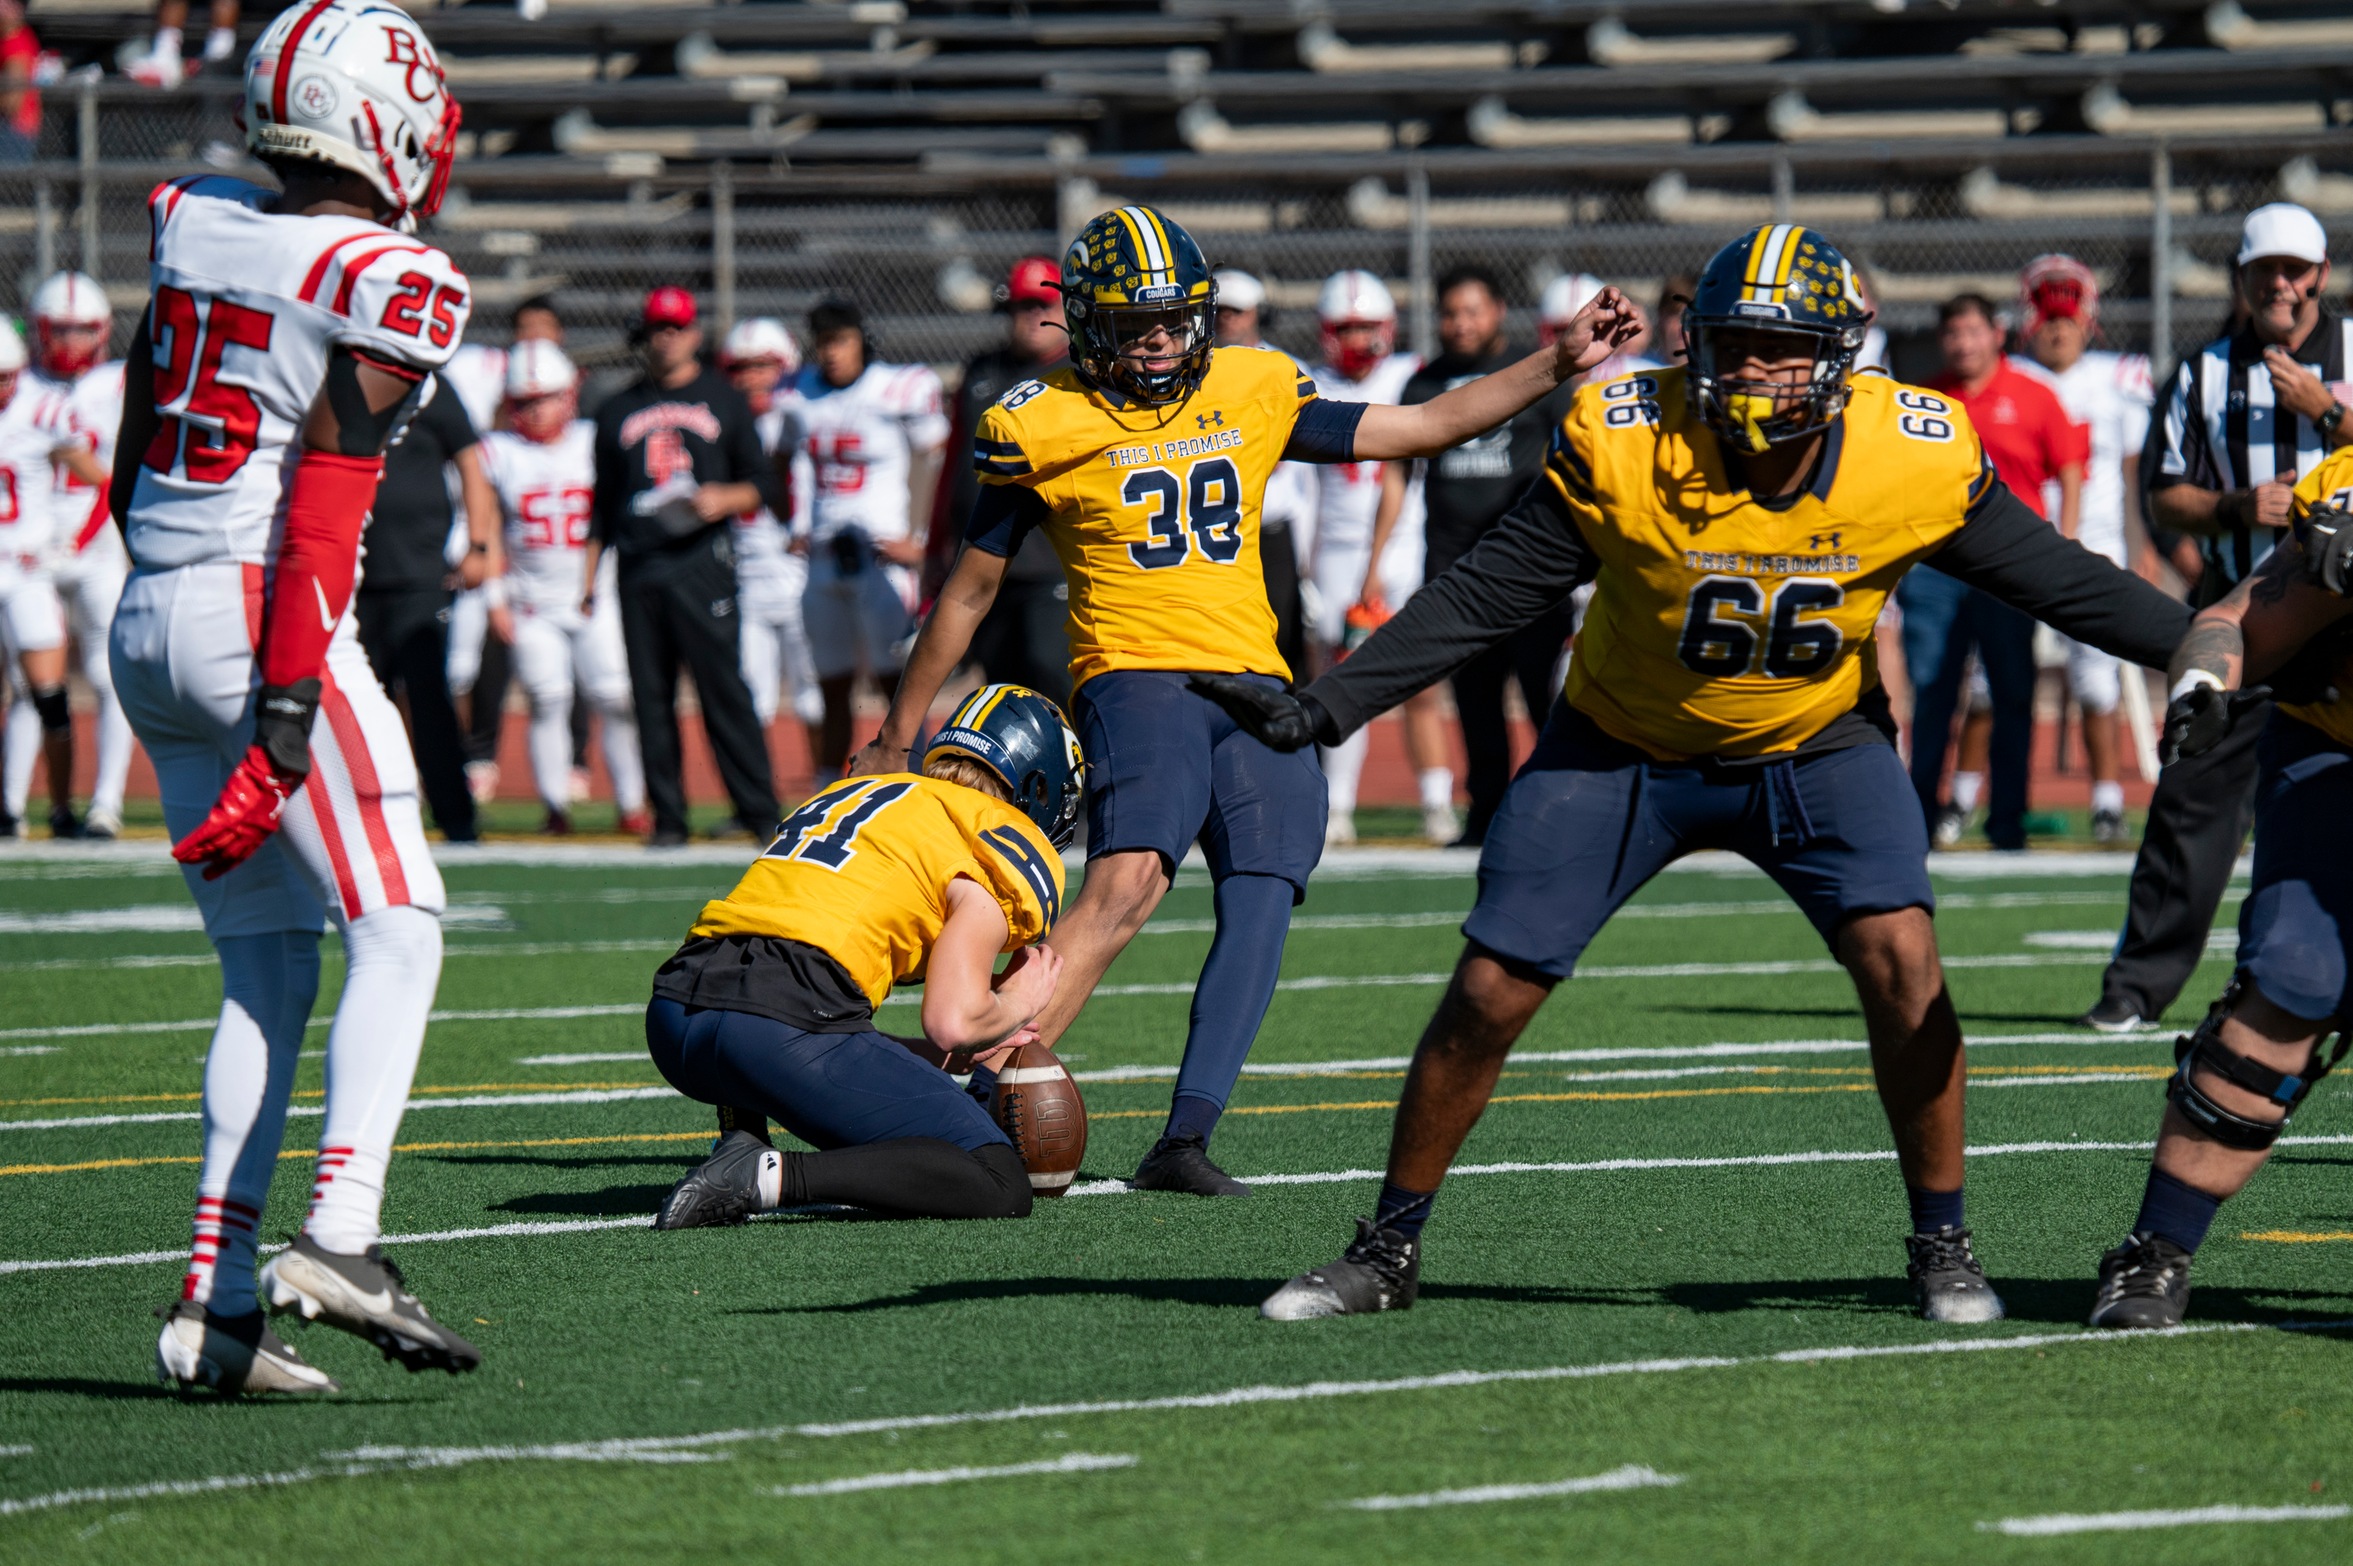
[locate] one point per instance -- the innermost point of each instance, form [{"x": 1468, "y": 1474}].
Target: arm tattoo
[
  {"x": 2212, "y": 645},
  {"x": 2282, "y": 566}
]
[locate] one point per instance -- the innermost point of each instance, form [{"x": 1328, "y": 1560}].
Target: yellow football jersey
[
  {"x": 1154, "y": 511},
  {"x": 1722, "y": 626},
  {"x": 2331, "y": 483},
  {"x": 861, "y": 872}
]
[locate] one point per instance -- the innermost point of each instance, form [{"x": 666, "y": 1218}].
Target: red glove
[{"x": 242, "y": 818}]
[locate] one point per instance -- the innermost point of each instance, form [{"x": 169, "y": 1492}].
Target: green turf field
[{"x": 1683, "y": 1283}]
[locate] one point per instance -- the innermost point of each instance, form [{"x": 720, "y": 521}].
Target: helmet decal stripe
[
  {"x": 1151, "y": 243},
  {"x": 1789, "y": 253},
  {"x": 1756, "y": 254},
  {"x": 1768, "y": 264},
  {"x": 285, "y": 73}
]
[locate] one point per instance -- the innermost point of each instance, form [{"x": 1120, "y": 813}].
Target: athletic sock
[
  {"x": 1191, "y": 1115},
  {"x": 219, "y": 44},
  {"x": 20, "y": 752},
  {"x": 1933, "y": 1210},
  {"x": 1237, "y": 983},
  {"x": 1966, "y": 787},
  {"x": 392, "y": 964},
  {"x": 624, "y": 763},
  {"x": 1437, "y": 784},
  {"x": 1343, "y": 766},
  {"x": 1403, "y": 1210},
  {"x": 2108, "y": 798},
  {"x": 2181, "y": 1213},
  {"x": 551, "y": 750},
  {"x": 913, "y": 1177},
  {"x": 167, "y": 44}
]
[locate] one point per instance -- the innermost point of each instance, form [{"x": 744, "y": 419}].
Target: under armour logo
[
  {"x": 1214, "y": 419},
  {"x": 1818, "y": 542}
]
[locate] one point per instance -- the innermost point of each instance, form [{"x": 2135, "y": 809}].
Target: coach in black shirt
[
  {"x": 677, "y": 456},
  {"x": 1465, "y": 492},
  {"x": 402, "y": 606}
]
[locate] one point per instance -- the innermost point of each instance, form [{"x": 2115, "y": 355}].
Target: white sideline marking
[
  {"x": 206, "y": 1024},
  {"x": 1068, "y": 1463},
  {"x": 181, "y": 919},
  {"x": 590, "y": 1058},
  {"x": 557, "y": 1452},
  {"x": 2118, "y": 1522},
  {"x": 16, "y": 1451},
  {"x": 143, "y": 1492},
  {"x": 1740, "y": 909},
  {"x": 30, "y": 1049},
  {"x": 313, "y": 1111},
  {"x": 1634, "y": 1476}
]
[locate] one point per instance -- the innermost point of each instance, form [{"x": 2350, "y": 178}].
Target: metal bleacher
[{"x": 767, "y": 153}]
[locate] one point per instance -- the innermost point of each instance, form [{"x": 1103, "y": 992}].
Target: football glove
[
  {"x": 2199, "y": 718},
  {"x": 2327, "y": 535},
  {"x": 254, "y": 799},
  {"x": 1276, "y": 718}
]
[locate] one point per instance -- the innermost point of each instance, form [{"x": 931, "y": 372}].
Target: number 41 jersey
[
  {"x": 247, "y": 305},
  {"x": 1723, "y": 626}
]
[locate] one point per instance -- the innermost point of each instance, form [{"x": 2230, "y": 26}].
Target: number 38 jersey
[
  {"x": 861, "y": 872},
  {"x": 2330, "y": 484},
  {"x": 1723, "y": 626},
  {"x": 247, "y": 305},
  {"x": 547, "y": 490}
]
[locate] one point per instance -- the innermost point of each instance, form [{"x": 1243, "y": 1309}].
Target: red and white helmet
[
  {"x": 12, "y": 349},
  {"x": 1357, "y": 298},
  {"x": 538, "y": 369},
  {"x": 2058, "y": 285},
  {"x": 1562, "y": 298},
  {"x": 761, "y": 337},
  {"x": 70, "y": 299},
  {"x": 355, "y": 84}
]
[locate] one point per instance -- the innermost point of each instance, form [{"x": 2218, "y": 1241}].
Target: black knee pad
[
  {"x": 2205, "y": 1049},
  {"x": 56, "y": 715}
]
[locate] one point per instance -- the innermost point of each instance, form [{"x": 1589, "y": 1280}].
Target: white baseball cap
[
  {"x": 2282, "y": 229},
  {"x": 1565, "y": 295},
  {"x": 761, "y": 337},
  {"x": 1239, "y": 291},
  {"x": 536, "y": 367}
]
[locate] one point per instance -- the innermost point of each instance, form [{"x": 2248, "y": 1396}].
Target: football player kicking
[
  {"x": 2240, "y": 1076},
  {"x": 1744, "y": 518},
  {"x": 288, "y": 338},
  {"x": 1145, "y": 460},
  {"x": 768, "y": 1009}
]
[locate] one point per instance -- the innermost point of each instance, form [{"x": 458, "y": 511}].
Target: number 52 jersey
[{"x": 248, "y": 303}]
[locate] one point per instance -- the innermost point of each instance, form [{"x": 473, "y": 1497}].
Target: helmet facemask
[
  {"x": 1753, "y": 416},
  {"x": 1103, "y": 331}
]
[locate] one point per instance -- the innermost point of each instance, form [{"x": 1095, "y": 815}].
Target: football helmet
[
  {"x": 1129, "y": 270},
  {"x": 1023, "y": 738},
  {"x": 2058, "y": 285},
  {"x": 1563, "y": 297},
  {"x": 1355, "y": 298},
  {"x": 537, "y": 369},
  {"x": 12, "y": 352},
  {"x": 68, "y": 300},
  {"x": 355, "y": 84},
  {"x": 761, "y": 337},
  {"x": 1786, "y": 279}
]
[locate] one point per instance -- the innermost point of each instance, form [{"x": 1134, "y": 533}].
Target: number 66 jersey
[{"x": 247, "y": 305}]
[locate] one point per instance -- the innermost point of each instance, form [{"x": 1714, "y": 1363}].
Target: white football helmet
[
  {"x": 761, "y": 337},
  {"x": 355, "y": 84},
  {"x": 1356, "y": 298},
  {"x": 536, "y": 367},
  {"x": 70, "y": 299},
  {"x": 12, "y": 347}
]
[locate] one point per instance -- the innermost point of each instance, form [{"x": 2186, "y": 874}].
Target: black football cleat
[
  {"x": 1181, "y": 1163},
  {"x": 2145, "y": 1282},
  {"x": 724, "y": 1188},
  {"x": 2114, "y": 1014},
  {"x": 1947, "y": 1283},
  {"x": 366, "y": 1296},
  {"x": 1380, "y": 1270},
  {"x": 231, "y": 1354}
]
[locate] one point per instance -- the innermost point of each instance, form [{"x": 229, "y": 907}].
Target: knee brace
[
  {"x": 56, "y": 715},
  {"x": 2205, "y": 1049}
]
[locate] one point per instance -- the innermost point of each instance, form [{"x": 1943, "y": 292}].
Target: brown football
[{"x": 1038, "y": 1106}]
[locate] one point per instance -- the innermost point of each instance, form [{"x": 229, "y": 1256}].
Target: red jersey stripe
[{"x": 368, "y": 791}]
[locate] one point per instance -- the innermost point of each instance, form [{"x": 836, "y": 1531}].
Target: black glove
[
  {"x": 2199, "y": 718},
  {"x": 282, "y": 719},
  {"x": 2327, "y": 535},
  {"x": 1276, "y": 718}
]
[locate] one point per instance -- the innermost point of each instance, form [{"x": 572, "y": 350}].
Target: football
[{"x": 1039, "y": 1107}]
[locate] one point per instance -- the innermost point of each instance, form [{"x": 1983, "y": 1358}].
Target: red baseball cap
[
  {"x": 1034, "y": 278},
  {"x": 669, "y": 306}
]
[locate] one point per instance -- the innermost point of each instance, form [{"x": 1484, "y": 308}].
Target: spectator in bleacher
[
  {"x": 1286, "y": 519},
  {"x": 1021, "y": 641},
  {"x": 2031, "y": 441},
  {"x": 2108, "y": 394},
  {"x": 162, "y": 65},
  {"x": 2241, "y": 420},
  {"x": 1466, "y": 491},
  {"x": 20, "y": 99},
  {"x": 873, "y": 433},
  {"x": 677, "y": 459}
]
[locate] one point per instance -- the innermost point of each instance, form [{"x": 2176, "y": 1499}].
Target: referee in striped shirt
[{"x": 2244, "y": 418}]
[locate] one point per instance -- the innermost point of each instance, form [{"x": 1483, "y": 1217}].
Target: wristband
[
  {"x": 2193, "y": 680},
  {"x": 282, "y": 719}
]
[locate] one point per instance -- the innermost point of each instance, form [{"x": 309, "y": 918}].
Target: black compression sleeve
[
  {"x": 1002, "y": 516},
  {"x": 1324, "y": 432},
  {"x": 913, "y": 1176},
  {"x": 362, "y": 430},
  {"x": 2019, "y": 558},
  {"x": 1529, "y": 562}
]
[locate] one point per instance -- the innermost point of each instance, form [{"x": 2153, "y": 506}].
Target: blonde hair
[{"x": 948, "y": 767}]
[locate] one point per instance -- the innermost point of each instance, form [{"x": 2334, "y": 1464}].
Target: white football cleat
[
  {"x": 366, "y": 1296},
  {"x": 1440, "y": 824},
  {"x": 1340, "y": 829},
  {"x": 231, "y": 1355},
  {"x": 103, "y": 825}
]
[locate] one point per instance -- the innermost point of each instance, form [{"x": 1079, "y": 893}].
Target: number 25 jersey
[
  {"x": 247, "y": 305},
  {"x": 1724, "y": 626}
]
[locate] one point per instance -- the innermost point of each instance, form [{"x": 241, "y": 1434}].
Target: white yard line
[
  {"x": 2121, "y": 1522},
  {"x": 909, "y": 1478},
  {"x": 159, "y": 1489},
  {"x": 1634, "y": 1476},
  {"x": 589, "y": 1058},
  {"x": 313, "y": 1111}
]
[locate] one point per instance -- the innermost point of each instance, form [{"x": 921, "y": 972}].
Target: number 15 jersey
[{"x": 248, "y": 303}]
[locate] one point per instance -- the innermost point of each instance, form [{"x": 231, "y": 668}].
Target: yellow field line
[
  {"x": 398, "y": 1147},
  {"x": 2297, "y": 1236}
]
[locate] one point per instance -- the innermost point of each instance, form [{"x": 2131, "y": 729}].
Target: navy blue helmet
[
  {"x": 1780, "y": 278},
  {"x": 1023, "y": 738},
  {"x": 1129, "y": 270}
]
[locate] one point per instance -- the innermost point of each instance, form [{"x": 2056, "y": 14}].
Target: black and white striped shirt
[{"x": 2220, "y": 428}]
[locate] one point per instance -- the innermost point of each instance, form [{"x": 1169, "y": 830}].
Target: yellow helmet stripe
[
  {"x": 1768, "y": 261},
  {"x": 1789, "y": 253},
  {"x": 1152, "y": 248}
]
